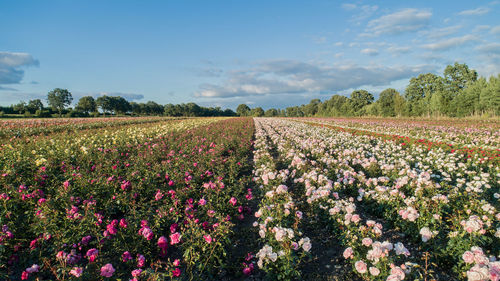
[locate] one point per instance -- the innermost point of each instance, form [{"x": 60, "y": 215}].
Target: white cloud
[
  {"x": 490, "y": 56},
  {"x": 495, "y": 30},
  {"x": 395, "y": 50},
  {"x": 339, "y": 44},
  {"x": 438, "y": 33},
  {"x": 11, "y": 64},
  {"x": 370, "y": 51},
  {"x": 348, "y": 6},
  {"x": 450, "y": 43},
  {"x": 399, "y": 22},
  {"x": 491, "y": 48},
  {"x": 475, "y": 12},
  {"x": 278, "y": 77}
]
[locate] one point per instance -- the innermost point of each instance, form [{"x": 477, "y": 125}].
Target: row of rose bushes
[
  {"x": 30, "y": 127},
  {"x": 444, "y": 203},
  {"x": 372, "y": 258},
  {"x": 278, "y": 217},
  {"x": 476, "y": 133},
  {"x": 150, "y": 202},
  {"x": 484, "y": 148}
]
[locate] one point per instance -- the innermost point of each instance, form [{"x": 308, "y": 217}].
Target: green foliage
[
  {"x": 257, "y": 112},
  {"x": 87, "y": 104},
  {"x": 243, "y": 110},
  {"x": 58, "y": 99}
]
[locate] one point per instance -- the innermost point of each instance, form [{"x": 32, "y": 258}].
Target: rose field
[{"x": 155, "y": 198}]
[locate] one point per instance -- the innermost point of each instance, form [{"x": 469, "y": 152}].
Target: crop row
[
  {"x": 443, "y": 203},
  {"x": 32, "y": 127},
  {"x": 151, "y": 203}
]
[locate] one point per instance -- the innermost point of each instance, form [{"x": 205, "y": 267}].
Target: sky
[{"x": 224, "y": 53}]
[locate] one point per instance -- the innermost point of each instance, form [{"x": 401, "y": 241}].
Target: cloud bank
[
  {"x": 279, "y": 77},
  {"x": 11, "y": 65}
]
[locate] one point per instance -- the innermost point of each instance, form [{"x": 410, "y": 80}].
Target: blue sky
[{"x": 223, "y": 53}]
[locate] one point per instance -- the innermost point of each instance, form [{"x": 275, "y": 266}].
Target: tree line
[
  {"x": 59, "y": 100},
  {"x": 458, "y": 93}
]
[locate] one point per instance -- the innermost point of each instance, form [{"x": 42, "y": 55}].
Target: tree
[
  {"x": 105, "y": 103},
  {"x": 34, "y": 105},
  {"x": 458, "y": 76},
  {"x": 152, "y": 107},
  {"x": 360, "y": 99},
  {"x": 489, "y": 99},
  {"x": 467, "y": 101},
  {"x": 20, "y": 107},
  {"x": 120, "y": 105},
  {"x": 386, "y": 102},
  {"x": 399, "y": 104},
  {"x": 257, "y": 112},
  {"x": 312, "y": 108},
  {"x": 58, "y": 99},
  {"x": 419, "y": 92},
  {"x": 272, "y": 112},
  {"x": 87, "y": 104},
  {"x": 192, "y": 109},
  {"x": 242, "y": 110},
  {"x": 335, "y": 105}
]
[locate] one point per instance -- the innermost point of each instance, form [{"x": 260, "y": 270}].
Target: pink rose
[
  {"x": 92, "y": 254},
  {"x": 176, "y": 272},
  {"x": 175, "y": 238},
  {"x": 141, "y": 261},
  {"x": 126, "y": 256},
  {"x": 360, "y": 266},
  {"x": 348, "y": 253},
  {"x": 374, "y": 271},
  {"x": 107, "y": 270},
  {"x": 208, "y": 238},
  {"x": 136, "y": 272},
  {"x": 233, "y": 201},
  {"x": 76, "y": 271},
  {"x": 468, "y": 257}
]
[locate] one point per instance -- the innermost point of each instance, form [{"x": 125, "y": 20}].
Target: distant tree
[
  {"x": 87, "y": 104},
  {"x": 272, "y": 112},
  {"x": 192, "y": 109},
  {"x": 467, "y": 101},
  {"x": 360, "y": 99},
  {"x": 120, "y": 105},
  {"x": 489, "y": 99},
  {"x": 105, "y": 103},
  {"x": 135, "y": 108},
  {"x": 153, "y": 108},
  {"x": 257, "y": 112},
  {"x": 386, "y": 102},
  {"x": 294, "y": 111},
  {"x": 419, "y": 92},
  {"x": 243, "y": 110},
  {"x": 228, "y": 112},
  {"x": 20, "y": 107},
  {"x": 336, "y": 105},
  {"x": 58, "y": 99},
  {"x": 399, "y": 104},
  {"x": 458, "y": 76},
  {"x": 34, "y": 105},
  {"x": 312, "y": 108}
]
